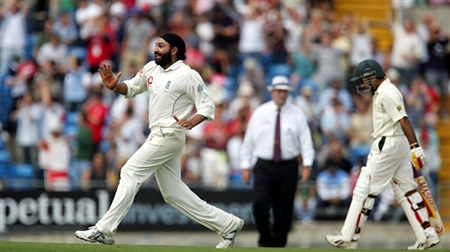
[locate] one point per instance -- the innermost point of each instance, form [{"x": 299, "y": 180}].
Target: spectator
[
  {"x": 421, "y": 101},
  {"x": 98, "y": 175},
  {"x": 335, "y": 120},
  {"x": 12, "y": 32},
  {"x": 86, "y": 16},
  {"x": 276, "y": 35},
  {"x": 361, "y": 123},
  {"x": 137, "y": 35},
  {"x": 253, "y": 74},
  {"x": 76, "y": 82},
  {"x": 97, "y": 112},
  {"x": 16, "y": 80},
  {"x": 27, "y": 136},
  {"x": 306, "y": 201},
  {"x": 328, "y": 60},
  {"x": 65, "y": 28},
  {"x": 333, "y": 190},
  {"x": 100, "y": 45},
  {"x": 48, "y": 109},
  {"x": 335, "y": 90},
  {"x": 42, "y": 36},
  {"x": 204, "y": 30},
  {"x": 53, "y": 51},
  {"x": 83, "y": 153},
  {"x": 129, "y": 136},
  {"x": 361, "y": 45},
  {"x": 304, "y": 69},
  {"x": 54, "y": 158},
  {"x": 225, "y": 40},
  {"x": 246, "y": 97},
  {"x": 294, "y": 24},
  {"x": 436, "y": 73},
  {"x": 407, "y": 50},
  {"x": 336, "y": 151}
]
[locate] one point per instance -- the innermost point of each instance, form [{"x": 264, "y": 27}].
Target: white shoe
[
  {"x": 93, "y": 235},
  {"x": 432, "y": 240},
  {"x": 336, "y": 241},
  {"x": 228, "y": 239},
  {"x": 417, "y": 246}
]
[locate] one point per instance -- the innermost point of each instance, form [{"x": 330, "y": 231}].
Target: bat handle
[{"x": 415, "y": 171}]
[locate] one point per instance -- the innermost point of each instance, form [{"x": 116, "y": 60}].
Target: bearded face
[
  {"x": 163, "y": 58},
  {"x": 162, "y": 53}
]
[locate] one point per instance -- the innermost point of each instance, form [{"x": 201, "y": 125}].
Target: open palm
[{"x": 108, "y": 78}]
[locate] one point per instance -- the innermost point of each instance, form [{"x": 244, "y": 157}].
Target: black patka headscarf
[{"x": 176, "y": 41}]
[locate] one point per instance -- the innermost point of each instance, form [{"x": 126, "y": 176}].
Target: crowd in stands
[{"x": 57, "y": 119}]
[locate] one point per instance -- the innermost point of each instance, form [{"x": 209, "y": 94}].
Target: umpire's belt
[{"x": 273, "y": 162}]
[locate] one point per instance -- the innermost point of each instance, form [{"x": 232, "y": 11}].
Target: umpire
[{"x": 278, "y": 135}]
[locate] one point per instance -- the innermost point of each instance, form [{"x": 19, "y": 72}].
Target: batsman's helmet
[{"x": 365, "y": 73}]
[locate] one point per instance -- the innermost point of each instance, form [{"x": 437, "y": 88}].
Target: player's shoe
[
  {"x": 417, "y": 246},
  {"x": 336, "y": 241},
  {"x": 431, "y": 241},
  {"x": 93, "y": 235},
  {"x": 228, "y": 239},
  {"x": 432, "y": 238}
]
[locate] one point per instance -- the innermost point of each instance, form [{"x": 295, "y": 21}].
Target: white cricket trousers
[
  {"x": 160, "y": 154},
  {"x": 391, "y": 164}
]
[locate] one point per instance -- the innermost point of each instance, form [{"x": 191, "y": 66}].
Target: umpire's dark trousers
[{"x": 275, "y": 184}]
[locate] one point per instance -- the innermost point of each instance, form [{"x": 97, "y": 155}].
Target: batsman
[{"x": 389, "y": 162}]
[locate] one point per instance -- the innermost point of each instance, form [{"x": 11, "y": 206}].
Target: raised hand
[{"x": 109, "y": 80}]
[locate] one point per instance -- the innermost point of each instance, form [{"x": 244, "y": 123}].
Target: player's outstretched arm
[{"x": 110, "y": 80}]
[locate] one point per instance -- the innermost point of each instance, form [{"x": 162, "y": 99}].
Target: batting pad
[
  {"x": 359, "y": 209},
  {"x": 416, "y": 225}
]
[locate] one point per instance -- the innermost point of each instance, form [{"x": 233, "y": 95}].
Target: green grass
[{"x": 53, "y": 247}]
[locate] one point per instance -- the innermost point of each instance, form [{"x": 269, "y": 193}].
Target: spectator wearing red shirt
[
  {"x": 96, "y": 112},
  {"x": 100, "y": 46}
]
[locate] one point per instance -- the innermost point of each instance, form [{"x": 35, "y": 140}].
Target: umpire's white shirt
[
  {"x": 172, "y": 91},
  {"x": 388, "y": 109},
  {"x": 295, "y": 135}
]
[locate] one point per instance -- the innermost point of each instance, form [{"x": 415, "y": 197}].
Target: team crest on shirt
[
  {"x": 200, "y": 87},
  {"x": 150, "y": 80},
  {"x": 399, "y": 107}
]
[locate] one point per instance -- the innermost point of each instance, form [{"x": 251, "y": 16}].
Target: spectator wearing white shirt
[
  {"x": 407, "y": 50},
  {"x": 27, "y": 136},
  {"x": 283, "y": 125},
  {"x": 52, "y": 51},
  {"x": 361, "y": 45},
  {"x": 12, "y": 32},
  {"x": 54, "y": 158}
]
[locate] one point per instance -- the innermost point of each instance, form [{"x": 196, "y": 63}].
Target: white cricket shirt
[
  {"x": 260, "y": 134},
  {"x": 388, "y": 109},
  {"x": 172, "y": 91}
]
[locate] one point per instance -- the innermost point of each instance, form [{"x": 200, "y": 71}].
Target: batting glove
[{"x": 418, "y": 158}]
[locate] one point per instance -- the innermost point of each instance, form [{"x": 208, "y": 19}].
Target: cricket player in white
[
  {"x": 389, "y": 161},
  {"x": 174, "y": 89}
]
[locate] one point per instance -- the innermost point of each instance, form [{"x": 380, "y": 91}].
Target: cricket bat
[{"x": 433, "y": 211}]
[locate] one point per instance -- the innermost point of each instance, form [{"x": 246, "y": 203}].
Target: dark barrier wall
[{"x": 51, "y": 211}]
